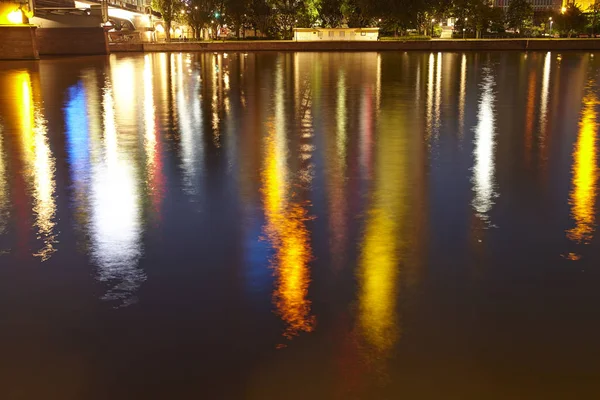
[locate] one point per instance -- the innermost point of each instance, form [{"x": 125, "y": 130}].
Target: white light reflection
[
  {"x": 190, "y": 123},
  {"x": 483, "y": 170},
  {"x": 116, "y": 232},
  {"x": 544, "y": 97}
]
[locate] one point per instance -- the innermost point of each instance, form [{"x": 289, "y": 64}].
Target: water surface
[{"x": 300, "y": 225}]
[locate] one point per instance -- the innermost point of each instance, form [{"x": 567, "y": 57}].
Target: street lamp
[
  {"x": 563, "y": 10},
  {"x": 432, "y": 21},
  {"x": 550, "y": 19}
]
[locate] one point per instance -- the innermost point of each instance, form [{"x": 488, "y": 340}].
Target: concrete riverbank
[{"x": 417, "y": 45}]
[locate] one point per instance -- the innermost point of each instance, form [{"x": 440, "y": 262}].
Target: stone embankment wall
[
  {"x": 71, "y": 41},
  {"x": 425, "y": 45},
  {"x": 18, "y": 43}
]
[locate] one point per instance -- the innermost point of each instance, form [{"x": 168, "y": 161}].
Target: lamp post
[
  {"x": 550, "y": 32},
  {"x": 465, "y": 26},
  {"x": 432, "y": 21}
]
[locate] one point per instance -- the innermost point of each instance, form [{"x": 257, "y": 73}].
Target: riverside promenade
[{"x": 385, "y": 45}]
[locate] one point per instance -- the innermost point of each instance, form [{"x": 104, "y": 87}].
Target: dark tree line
[{"x": 277, "y": 18}]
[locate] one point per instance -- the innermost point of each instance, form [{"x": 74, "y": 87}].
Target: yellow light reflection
[
  {"x": 153, "y": 160},
  {"x": 287, "y": 232},
  {"x": 585, "y": 173},
  {"x": 216, "y": 86},
  {"x": 462, "y": 95},
  {"x": 429, "y": 94},
  {"x": 484, "y": 168},
  {"x": 39, "y": 164},
  {"x": 544, "y": 97},
  {"x": 341, "y": 117},
  {"x": 285, "y": 228},
  {"x": 4, "y": 196},
  {"x": 378, "y": 273},
  {"x": 438, "y": 94},
  {"x": 530, "y": 114}
]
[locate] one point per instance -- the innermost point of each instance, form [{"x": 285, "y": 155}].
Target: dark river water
[{"x": 300, "y": 226}]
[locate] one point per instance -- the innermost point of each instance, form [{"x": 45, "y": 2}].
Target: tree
[
  {"x": 286, "y": 14},
  {"x": 519, "y": 14},
  {"x": 571, "y": 21},
  {"x": 236, "y": 9},
  {"x": 259, "y": 16},
  {"x": 330, "y": 13},
  {"x": 356, "y": 13},
  {"x": 169, "y": 10},
  {"x": 594, "y": 13},
  {"x": 198, "y": 16}
]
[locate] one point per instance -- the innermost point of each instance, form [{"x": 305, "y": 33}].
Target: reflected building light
[
  {"x": 585, "y": 173},
  {"x": 418, "y": 86},
  {"x": 4, "y": 196},
  {"x": 164, "y": 80},
  {"x": 78, "y": 148},
  {"x": 125, "y": 97},
  {"x": 544, "y": 97},
  {"x": 531, "y": 97},
  {"x": 341, "y": 117},
  {"x": 215, "y": 100},
  {"x": 484, "y": 167},
  {"x": 40, "y": 166},
  {"x": 430, "y": 76},
  {"x": 378, "y": 85},
  {"x": 306, "y": 135},
  {"x": 438, "y": 95},
  {"x": 462, "y": 95},
  {"x": 155, "y": 179},
  {"x": 379, "y": 260},
  {"x": 336, "y": 174},
  {"x": 286, "y": 228},
  {"x": 192, "y": 145},
  {"x": 366, "y": 135},
  {"x": 116, "y": 226}
]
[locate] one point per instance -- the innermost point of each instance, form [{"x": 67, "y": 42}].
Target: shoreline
[{"x": 416, "y": 45}]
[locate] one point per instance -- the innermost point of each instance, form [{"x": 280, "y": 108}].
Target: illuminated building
[{"x": 537, "y": 5}]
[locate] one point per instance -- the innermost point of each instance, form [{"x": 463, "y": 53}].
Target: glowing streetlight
[
  {"x": 563, "y": 10},
  {"x": 550, "y": 19},
  {"x": 432, "y": 22}
]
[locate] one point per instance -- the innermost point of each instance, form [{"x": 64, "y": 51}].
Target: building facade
[{"x": 537, "y": 5}]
